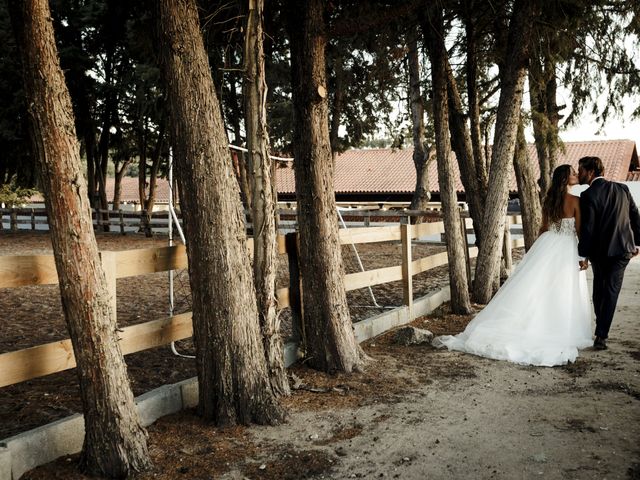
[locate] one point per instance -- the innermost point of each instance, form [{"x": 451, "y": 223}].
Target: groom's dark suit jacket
[{"x": 610, "y": 221}]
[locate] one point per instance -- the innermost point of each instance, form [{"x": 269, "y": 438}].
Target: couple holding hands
[{"x": 541, "y": 315}]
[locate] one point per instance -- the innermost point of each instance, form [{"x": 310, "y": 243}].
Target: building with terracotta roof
[
  {"x": 388, "y": 175},
  {"x": 129, "y": 190}
]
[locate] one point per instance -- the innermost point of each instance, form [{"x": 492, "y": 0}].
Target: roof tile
[{"x": 392, "y": 171}]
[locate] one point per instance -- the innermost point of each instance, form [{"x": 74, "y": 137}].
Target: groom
[{"x": 609, "y": 237}]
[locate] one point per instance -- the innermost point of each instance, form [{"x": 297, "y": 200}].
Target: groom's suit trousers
[{"x": 608, "y": 273}]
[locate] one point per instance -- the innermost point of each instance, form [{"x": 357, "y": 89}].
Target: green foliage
[
  {"x": 107, "y": 51},
  {"x": 602, "y": 60},
  {"x": 16, "y": 160},
  {"x": 366, "y": 65},
  {"x": 13, "y": 195}
]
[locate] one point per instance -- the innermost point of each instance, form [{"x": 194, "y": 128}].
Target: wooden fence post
[
  {"x": 109, "y": 266},
  {"x": 121, "y": 221},
  {"x": 465, "y": 241},
  {"x": 295, "y": 288},
  {"x": 407, "y": 273},
  {"x": 145, "y": 222},
  {"x": 14, "y": 220}
]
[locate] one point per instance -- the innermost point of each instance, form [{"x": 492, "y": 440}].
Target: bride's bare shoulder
[
  {"x": 571, "y": 198},
  {"x": 571, "y": 205}
]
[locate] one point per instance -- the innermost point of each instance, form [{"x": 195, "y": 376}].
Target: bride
[{"x": 541, "y": 315}]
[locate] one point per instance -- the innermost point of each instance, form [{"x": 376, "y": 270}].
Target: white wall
[{"x": 634, "y": 188}]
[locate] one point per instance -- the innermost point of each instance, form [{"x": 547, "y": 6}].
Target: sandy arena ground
[{"x": 418, "y": 413}]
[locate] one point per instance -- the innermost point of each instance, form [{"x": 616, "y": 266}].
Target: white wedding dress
[{"x": 542, "y": 314}]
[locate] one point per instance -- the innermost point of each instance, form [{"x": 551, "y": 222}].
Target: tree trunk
[
  {"x": 90, "y": 150},
  {"x": 265, "y": 247},
  {"x": 156, "y": 159},
  {"x": 235, "y": 109},
  {"x": 421, "y": 194},
  {"x": 545, "y": 116},
  {"x": 78, "y": 84},
  {"x": 338, "y": 105},
  {"x": 527, "y": 190},
  {"x": 148, "y": 200},
  {"x": 330, "y": 342},
  {"x": 117, "y": 187},
  {"x": 145, "y": 216},
  {"x": 434, "y": 36},
  {"x": 243, "y": 170},
  {"x": 115, "y": 442},
  {"x": 462, "y": 145},
  {"x": 110, "y": 106},
  {"x": 538, "y": 119},
  {"x": 474, "y": 106},
  {"x": 232, "y": 372},
  {"x": 512, "y": 76},
  {"x": 553, "y": 115}
]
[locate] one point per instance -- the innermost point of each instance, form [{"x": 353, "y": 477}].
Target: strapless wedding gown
[{"x": 542, "y": 314}]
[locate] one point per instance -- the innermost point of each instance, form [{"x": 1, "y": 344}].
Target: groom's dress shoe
[{"x": 600, "y": 344}]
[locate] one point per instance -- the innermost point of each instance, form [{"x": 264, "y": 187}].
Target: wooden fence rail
[
  {"x": 121, "y": 219},
  {"x": 31, "y": 218},
  {"x": 17, "y": 271}
]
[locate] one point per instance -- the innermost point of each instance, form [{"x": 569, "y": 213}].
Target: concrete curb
[
  {"x": 5, "y": 462},
  {"x": 30, "y": 449},
  {"x": 374, "y": 326},
  {"x": 44, "y": 444}
]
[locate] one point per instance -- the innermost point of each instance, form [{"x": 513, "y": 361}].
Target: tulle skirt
[{"x": 540, "y": 316}]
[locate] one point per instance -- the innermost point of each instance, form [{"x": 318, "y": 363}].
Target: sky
[{"x": 617, "y": 128}]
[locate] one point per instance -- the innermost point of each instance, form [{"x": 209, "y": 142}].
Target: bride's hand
[{"x": 584, "y": 264}]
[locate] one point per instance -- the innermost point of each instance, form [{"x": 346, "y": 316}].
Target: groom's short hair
[{"x": 592, "y": 164}]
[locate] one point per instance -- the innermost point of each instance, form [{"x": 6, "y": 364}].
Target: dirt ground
[
  {"x": 33, "y": 316},
  {"x": 417, "y": 412}
]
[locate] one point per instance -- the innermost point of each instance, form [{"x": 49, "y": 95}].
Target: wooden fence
[
  {"x": 128, "y": 220},
  {"x": 16, "y": 271},
  {"x": 122, "y": 220}
]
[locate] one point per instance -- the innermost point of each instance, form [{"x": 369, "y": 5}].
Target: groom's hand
[{"x": 584, "y": 264}]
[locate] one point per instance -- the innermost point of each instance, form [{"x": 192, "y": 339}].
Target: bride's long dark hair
[{"x": 552, "y": 208}]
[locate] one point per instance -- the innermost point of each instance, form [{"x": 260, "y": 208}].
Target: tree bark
[
  {"x": 463, "y": 146},
  {"x": 110, "y": 107},
  {"x": 121, "y": 168},
  {"x": 538, "y": 118},
  {"x": 243, "y": 170},
  {"x": 338, "y": 105},
  {"x": 512, "y": 76},
  {"x": 330, "y": 343},
  {"x": 148, "y": 200},
  {"x": 421, "y": 194},
  {"x": 553, "y": 115},
  {"x": 474, "y": 105},
  {"x": 265, "y": 247},
  {"x": 232, "y": 372},
  {"x": 115, "y": 442},
  {"x": 460, "y": 301},
  {"x": 545, "y": 116},
  {"x": 527, "y": 190}
]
